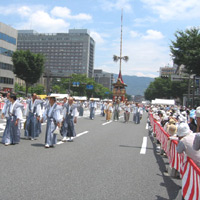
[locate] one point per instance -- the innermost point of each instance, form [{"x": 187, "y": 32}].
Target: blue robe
[
  {"x": 33, "y": 126},
  {"x": 68, "y": 124},
  {"x": 92, "y": 109},
  {"x": 11, "y": 133},
  {"x": 52, "y": 119}
]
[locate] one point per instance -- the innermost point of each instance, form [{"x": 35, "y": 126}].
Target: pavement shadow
[
  {"x": 171, "y": 187},
  {"x": 136, "y": 147},
  {"x": 37, "y": 145}
]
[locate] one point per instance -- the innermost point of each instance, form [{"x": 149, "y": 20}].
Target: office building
[
  {"x": 104, "y": 78},
  {"x": 65, "y": 53},
  {"x": 8, "y": 44},
  {"x": 167, "y": 71}
]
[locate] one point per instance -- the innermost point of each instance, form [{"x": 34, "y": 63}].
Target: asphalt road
[{"x": 103, "y": 163}]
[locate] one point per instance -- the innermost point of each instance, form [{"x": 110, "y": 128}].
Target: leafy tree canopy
[
  {"x": 28, "y": 66},
  {"x": 186, "y": 49},
  {"x": 165, "y": 88},
  {"x": 97, "y": 91}
]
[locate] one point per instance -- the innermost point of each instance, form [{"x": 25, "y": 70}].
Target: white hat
[
  {"x": 183, "y": 130},
  {"x": 165, "y": 117},
  {"x": 182, "y": 119},
  {"x": 184, "y": 113},
  {"x": 198, "y": 111}
]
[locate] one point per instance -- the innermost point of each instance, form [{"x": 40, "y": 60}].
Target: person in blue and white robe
[
  {"x": 70, "y": 115},
  {"x": 53, "y": 116},
  {"x": 116, "y": 110},
  {"x": 33, "y": 116},
  {"x": 92, "y": 107},
  {"x": 12, "y": 131},
  {"x": 138, "y": 114},
  {"x": 62, "y": 130},
  {"x": 5, "y": 107}
]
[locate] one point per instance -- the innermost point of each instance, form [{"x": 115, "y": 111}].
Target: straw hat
[
  {"x": 172, "y": 121},
  {"x": 172, "y": 129}
]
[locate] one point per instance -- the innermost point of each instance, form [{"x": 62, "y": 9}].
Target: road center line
[
  {"x": 147, "y": 126},
  {"x": 78, "y": 135},
  {"x": 83, "y": 133},
  {"x": 144, "y": 146},
  {"x": 106, "y": 123}
]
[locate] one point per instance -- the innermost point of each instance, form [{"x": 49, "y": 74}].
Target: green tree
[
  {"x": 38, "y": 89},
  {"x": 28, "y": 66},
  {"x": 186, "y": 50},
  {"x": 16, "y": 87},
  {"x": 165, "y": 88},
  {"x": 97, "y": 91}
]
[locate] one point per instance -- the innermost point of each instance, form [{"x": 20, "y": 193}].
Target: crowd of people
[
  {"x": 183, "y": 125},
  {"x": 60, "y": 117}
]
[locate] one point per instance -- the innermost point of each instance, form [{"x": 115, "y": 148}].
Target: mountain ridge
[{"x": 136, "y": 85}]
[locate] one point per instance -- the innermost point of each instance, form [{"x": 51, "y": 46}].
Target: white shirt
[
  {"x": 74, "y": 111},
  {"x": 18, "y": 111}
]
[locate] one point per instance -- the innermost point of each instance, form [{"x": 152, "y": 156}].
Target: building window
[
  {"x": 7, "y": 38},
  {"x": 6, "y": 66},
  {"x": 6, "y": 80},
  {"x": 6, "y": 52}
]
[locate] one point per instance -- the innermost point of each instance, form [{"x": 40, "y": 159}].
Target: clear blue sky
[{"x": 148, "y": 27}]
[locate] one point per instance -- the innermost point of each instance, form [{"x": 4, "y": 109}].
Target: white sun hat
[{"x": 183, "y": 130}]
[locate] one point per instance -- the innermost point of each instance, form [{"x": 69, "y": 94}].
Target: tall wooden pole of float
[{"x": 120, "y": 64}]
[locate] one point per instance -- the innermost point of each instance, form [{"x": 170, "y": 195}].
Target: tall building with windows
[
  {"x": 66, "y": 53},
  {"x": 104, "y": 78},
  {"x": 8, "y": 44}
]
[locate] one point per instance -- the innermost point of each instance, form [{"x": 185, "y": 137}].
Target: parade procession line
[
  {"x": 144, "y": 146},
  {"x": 78, "y": 135}
]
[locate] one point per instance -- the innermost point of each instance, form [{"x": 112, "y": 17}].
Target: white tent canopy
[
  {"x": 77, "y": 98},
  {"x": 60, "y": 96},
  {"x": 94, "y": 99},
  {"x": 163, "y": 102}
]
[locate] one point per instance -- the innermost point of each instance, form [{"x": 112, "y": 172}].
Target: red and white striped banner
[
  {"x": 1, "y": 106},
  {"x": 190, "y": 180},
  {"x": 189, "y": 170}
]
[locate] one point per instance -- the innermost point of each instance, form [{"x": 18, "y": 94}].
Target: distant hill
[{"x": 136, "y": 85}]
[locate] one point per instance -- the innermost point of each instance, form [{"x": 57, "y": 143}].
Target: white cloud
[
  {"x": 64, "y": 12},
  {"x": 43, "y": 22},
  {"x": 134, "y": 34},
  {"x": 97, "y": 37},
  {"x": 37, "y": 17},
  {"x": 150, "y": 35},
  {"x": 117, "y": 4},
  {"x": 153, "y": 35},
  {"x": 24, "y": 11},
  {"x": 141, "y": 74},
  {"x": 145, "y": 57},
  {"x": 144, "y": 21},
  {"x": 174, "y": 9}
]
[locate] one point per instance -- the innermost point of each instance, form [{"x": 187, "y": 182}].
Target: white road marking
[
  {"x": 78, "y": 135},
  {"x": 83, "y": 133},
  {"x": 121, "y": 117},
  {"x": 147, "y": 126},
  {"x": 106, "y": 123},
  {"x": 144, "y": 146}
]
